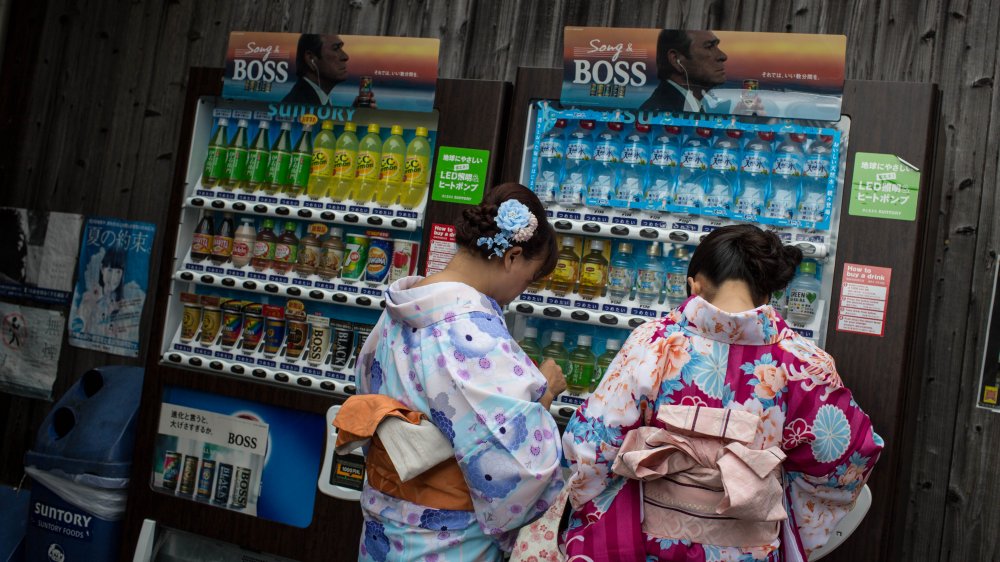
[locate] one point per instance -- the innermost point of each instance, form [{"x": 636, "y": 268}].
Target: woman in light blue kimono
[{"x": 442, "y": 348}]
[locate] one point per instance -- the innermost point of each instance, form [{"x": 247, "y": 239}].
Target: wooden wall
[{"x": 91, "y": 93}]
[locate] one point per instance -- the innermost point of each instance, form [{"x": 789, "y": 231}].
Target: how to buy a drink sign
[
  {"x": 719, "y": 72},
  {"x": 319, "y": 70}
]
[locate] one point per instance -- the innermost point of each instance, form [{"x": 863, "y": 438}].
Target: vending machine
[
  {"x": 631, "y": 191},
  {"x": 287, "y": 223}
]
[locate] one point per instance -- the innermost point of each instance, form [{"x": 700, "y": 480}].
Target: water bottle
[
  {"x": 786, "y": 179},
  {"x": 604, "y": 168},
  {"x": 722, "y": 175},
  {"x": 621, "y": 273},
  {"x": 579, "y": 153},
  {"x": 755, "y": 170},
  {"x": 635, "y": 156},
  {"x": 650, "y": 277},
  {"x": 550, "y": 162},
  {"x": 677, "y": 274},
  {"x": 692, "y": 178},
  {"x": 812, "y": 204},
  {"x": 803, "y": 294},
  {"x": 663, "y": 167}
]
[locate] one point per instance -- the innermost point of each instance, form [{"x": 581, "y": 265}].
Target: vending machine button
[
  {"x": 525, "y": 308},
  {"x": 187, "y": 276},
  {"x": 259, "y": 373},
  {"x": 364, "y": 301},
  {"x": 207, "y": 279},
  {"x": 249, "y": 285},
  {"x": 350, "y": 389},
  {"x": 260, "y": 208},
  {"x": 194, "y": 361},
  {"x": 373, "y": 220},
  {"x": 351, "y": 217},
  {"x": 176, "y": 358},
  {"x": 328, "y": 385},
  {"x": 305, "y": 213},
  {"x": 591, "y": 227},
  {"x": 609, "y": 319},
  {"x": 271, "y": 288},
  {"x": 566, "y": 412},
  {"x": 216, "y": 365},
  {"x": 239, "y": 206},
  {"x": 198, "y": 202},
  {"x": 563, "y": 225},
  {"x": 400, "y": 223},
  {"x": 238, "y": 369},
  {"x": 636, "y": 322},
  {"x": 650, "y": 233},
  {"x": 579, "y": 315},
  {"x": 281, "y": 377},
  {"x": 327, "y": 215},
  {"x": 218, "y": 204},
  {"x": 304, "y": 381},
  {"x": 229, "y": 282},
  {"x": 678, "y": 236},
  {"x": 552, "y": 311},
  {"x": 339, "y": 297},
  {"x": 316, "y": 294},
  {"x": 294, "y": 291},
  {"x": 619, "y": 230},
  {"x": 381, "y": 303},
  {"x": 282, "y": 211}
]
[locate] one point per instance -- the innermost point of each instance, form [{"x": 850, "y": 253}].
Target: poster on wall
[
  {"x": 39, "y": 256},
  {"x": 722, "y": 72},
  {"x": 320, "y": 70},
  {"x": 111, "y": 284},
  {"x": 30, "y": 344},
  {"x": 238, "y": 455},
  {"x": 989, "y": 373}
]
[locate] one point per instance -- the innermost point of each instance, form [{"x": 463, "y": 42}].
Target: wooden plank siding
[{"x": 91, "y": 95}]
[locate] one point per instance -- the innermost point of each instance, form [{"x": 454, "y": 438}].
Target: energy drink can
[
  {"x": 189, "y": 473},
  {"x": 241, "y": 488},
  {"x": 171, "y": 469},
  {"x": 379, "y": 253},
  {"x": 224, "y": 483},
  {"x": 355, "y": 257},
  {"x": 206, "y": 476},
  {"x": 404, "y": 260}
]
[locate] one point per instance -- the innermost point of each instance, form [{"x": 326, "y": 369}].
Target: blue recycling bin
[{"x": 80, "y": 468}]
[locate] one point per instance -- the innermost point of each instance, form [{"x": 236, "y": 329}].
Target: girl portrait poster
[{"x": 112, "y": 279}]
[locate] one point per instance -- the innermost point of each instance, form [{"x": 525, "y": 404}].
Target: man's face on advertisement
[
  {"x": 332, "y": 65},
  {"x": 706, "y": 67}
]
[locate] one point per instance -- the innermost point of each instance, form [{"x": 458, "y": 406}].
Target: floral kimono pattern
[
  {"x": 444, "y": 350},
  {"x": 746, "y": 361}
]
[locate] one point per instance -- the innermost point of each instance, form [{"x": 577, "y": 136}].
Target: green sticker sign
[
  {"x": 884, "y": 186},
  {"x": 460, "y": 175}
]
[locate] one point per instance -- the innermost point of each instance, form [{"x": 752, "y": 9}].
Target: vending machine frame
[
  {"x": 336, "y": 525},
  {"x": 883, "y": 372}
]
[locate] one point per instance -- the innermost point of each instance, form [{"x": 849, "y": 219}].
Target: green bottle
[
  {"x": 369, "y": 160},
  {"x": 557, "y": 352},
  {"x": 258, "y": 159},
  {"x": 581, "y": 365},
  {"x": 215, "y": 162},
  {"x": 345, "y": 163},
  {"x": 236, "y": 159},
  {"x": 604, "y": 360},
  {"x": 391, "y": 171},
  {"x": 321, "y": 170},
  {"x": 529, "y": 345},
  {"x": 301, "y": 163},
  {"x": 417, "y": 170},
  {"x": 279, "y": 162}
]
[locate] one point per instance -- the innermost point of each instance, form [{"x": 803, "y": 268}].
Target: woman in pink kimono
[{"x": 722, "y": 363}]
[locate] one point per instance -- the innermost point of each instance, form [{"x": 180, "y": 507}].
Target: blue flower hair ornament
[{"x": 516, "y": 224}]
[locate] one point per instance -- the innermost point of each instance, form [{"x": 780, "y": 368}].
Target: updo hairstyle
[
  {"x": 480, "y": 221},
  {"x": 746, "y": 253}
]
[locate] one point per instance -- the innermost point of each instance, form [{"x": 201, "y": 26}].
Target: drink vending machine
[
  {"x": 631, "y": 193},
  {"x": 284, "y": 230}
]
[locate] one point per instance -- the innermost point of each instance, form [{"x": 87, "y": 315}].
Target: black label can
[
  {"x": 241, "y": 490},
  {"x": 205, "y": 478},
  {"x": 171, "y": 469},
  {"x": 222, "y": 486},
  {"x": 189, "y": 473}
]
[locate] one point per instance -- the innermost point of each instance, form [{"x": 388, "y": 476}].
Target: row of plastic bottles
[
  {"x": 321, "y": 165},
  {"x": 581, "y": 367},
  {"x": 720, "y": 172}
]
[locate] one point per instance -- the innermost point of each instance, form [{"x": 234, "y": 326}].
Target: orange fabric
[{"x": 441, "y": 487}]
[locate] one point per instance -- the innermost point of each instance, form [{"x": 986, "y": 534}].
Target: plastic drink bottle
[
  {"x": 621, "y": 274},
  {"x": 263, "y": 247},
  {"x": 604, "y": 168},
  {"x": 345, "y": 163},
  {"x": 257, "y": 158},
  {"x": 286, "y": 249},
  {"x": 812, "y": 204},
  {"x": 530, "y": 346},
  {"x": 215, "y": 161},
  {"x": 581, "y": 365},
  {"x": 803, "y": 294},
  {"x": 579, "y": 153},
  {"x": 779, "y": 301},
  {"x": 663, "y": 167},
  {"x": 755, "y": 170},
  {"x": 279, "y": 161},
  {"x": 222, "y": 242},
  {"x": 594, "y": 271},
  {"x": 786, "y": 179},
  {"x": 321, "y": 167},
  {"x": 392, "y": 170},
  {"x": 201, "y": 242},
  {"x": 243, "y": 242},
  {"x": 556, "y": 351},
  {"x": 551, "y": 151},
  {"x": 722, "y": 175},
  {"x": 567, "y": 269},
  {"x": 236, "y": 159},
  {"x": 310, "y": 249},
  {"x": 331, "y": 254},
  {"x": 677, "y": 274},
  {"x": 632, "y": 178},
  {"x": 301, "y": 163},
  {"x": 649, "y": 280},
  {"x": 416, "y": 174},
  {"x": 692, "y": 178},
  {"x": 604, "y": 360},
  {"x": 369, "y": 165}
]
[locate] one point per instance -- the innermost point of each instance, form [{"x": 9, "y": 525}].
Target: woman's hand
[{"x": 556, "y": 381}]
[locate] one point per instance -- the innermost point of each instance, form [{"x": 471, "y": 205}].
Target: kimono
[
  {"x": 750, "y": 361},
  {"x": 444, "y": 350}
]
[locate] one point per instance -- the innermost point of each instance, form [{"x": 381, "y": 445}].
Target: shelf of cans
[
  {"x": 221, "y": 476},
  {"x": 252, "y": 166},
  {"x": 279, "y": 341},
  {"x": 323, "y": 264}
]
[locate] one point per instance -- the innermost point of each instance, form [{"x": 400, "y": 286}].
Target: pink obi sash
[{"x": 700, "y": 480}]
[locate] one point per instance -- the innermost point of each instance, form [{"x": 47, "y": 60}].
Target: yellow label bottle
[
  {"x": 417, "y": 170},
  {"x": 594, "y": 271},
  {"x": 391, "y": 172},
  {"x": 369, "y": 161},
  {"x": 567, "y": 269},
  {"x": 321, "y": 167}
]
